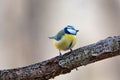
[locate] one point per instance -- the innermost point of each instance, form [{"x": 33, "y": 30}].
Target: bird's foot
[{"x": 72, "y": 52}]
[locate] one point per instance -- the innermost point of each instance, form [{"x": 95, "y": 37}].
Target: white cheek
[{"x": 71, "y": 31}]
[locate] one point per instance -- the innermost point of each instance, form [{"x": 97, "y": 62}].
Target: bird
[{"x": 65, "y": 39}]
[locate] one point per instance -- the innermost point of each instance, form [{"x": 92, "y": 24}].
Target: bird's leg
[
  {"x": 71, "y": 50},
  {"x": 60, "y": 54}
]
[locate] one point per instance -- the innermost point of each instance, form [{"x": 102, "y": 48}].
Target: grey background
[{"x": 26, "y": 24}]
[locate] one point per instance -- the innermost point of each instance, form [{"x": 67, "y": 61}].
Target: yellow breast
[{"x": 67, "y": 42}]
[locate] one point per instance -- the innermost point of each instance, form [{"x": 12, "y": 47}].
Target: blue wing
[{"x": 58, "y": 36}]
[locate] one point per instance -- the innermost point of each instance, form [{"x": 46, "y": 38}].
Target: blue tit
[{"x": 65, "y": 39}]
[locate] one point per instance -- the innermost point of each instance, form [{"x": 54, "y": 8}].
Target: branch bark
[{"x": 45, "y": 70}]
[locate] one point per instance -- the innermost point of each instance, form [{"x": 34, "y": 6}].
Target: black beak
[{"x": 77, "y": 30}]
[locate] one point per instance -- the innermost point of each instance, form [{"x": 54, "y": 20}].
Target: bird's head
[{"x": 70, "y": 30}]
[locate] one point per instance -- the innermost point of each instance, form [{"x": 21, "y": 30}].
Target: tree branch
[{"x": 53, "y": 67}]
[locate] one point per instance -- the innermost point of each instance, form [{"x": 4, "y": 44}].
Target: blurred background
[{"x": 26, "y": 24}]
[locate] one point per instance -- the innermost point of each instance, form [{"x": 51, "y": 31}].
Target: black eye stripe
[{"x": 67, "y": 30}]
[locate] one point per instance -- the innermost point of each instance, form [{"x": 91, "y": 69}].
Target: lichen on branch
[{"x": 48, "y": 69}]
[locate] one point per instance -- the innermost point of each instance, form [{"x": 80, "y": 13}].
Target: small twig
[{"x": 53, "y": 67}]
